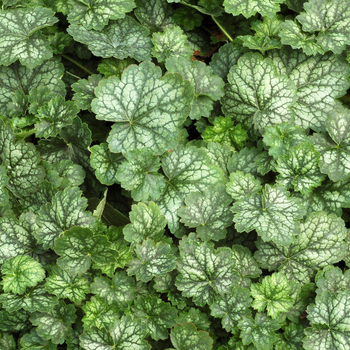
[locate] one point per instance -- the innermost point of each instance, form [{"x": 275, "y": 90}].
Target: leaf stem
[
  {"x": 77, "y": 64},
  {"x": 222, "y": 28}
]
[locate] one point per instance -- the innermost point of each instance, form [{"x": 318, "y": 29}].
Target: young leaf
[{"x": 242, "y": 184}]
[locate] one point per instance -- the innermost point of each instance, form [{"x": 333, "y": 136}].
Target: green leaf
[
  {"x": 125, "y": 333},
  {"x": 208, "y": 87},
  {"x": 259, "y": 331},
  {"x": 232, "y": 307},
  {"x": 67, "y": 209},
  {"x": 38, "y": 97},
  {"x": 267, "y": 212},
  {"x": 244, "y": 161},
  {"x": 78, "y": 247},
  {"x": 186, "y": 337},
  {"x": 299, "y": 168},
  {"x": 219, "y": 155},
  {"x": 55, "y": 325},
  {"x": 64, "y": 285},
  {"x": 146, "y": 222},
  {"x": 156, "y": 314},
  {"x": 160, "y": 105},
  {"x": 209, "y": 212},
  {"x": 274, "y": 294},
  {"x": 335, "y": 147},
  {"x": 120, "y": 39},
  {"x": 257, "y": 94},
  {"x": 187, "y": 17},
  {"x": 11, "y": 322},
  {"x": 195, "y": 316},
  {"x": 57, "y": 114},
  {"x": 112, "y": 66},
  {"x": 4, "y": 197},
  {"x": 187, "y": 170},
  {"x": 332, "y": 280},
  {"x": 320, "y": 243},
  {"x": 21, "y": 37},
  {"x": 31, "y": 341},
  {"x": 330, "y": 321},
  {"x": 171, "y": 43},
  {"x": 153, "y": 259},
  {"x": 260, "y": 43},
  {"x": 204, "y": 271},
  {"x": 21, "y": 272},
  {"x": 7, "y": 342},
  {"x": 291, "y": 339},
  {"x": 95, "y": 14},
  {"x": 331, "y": 20},
  {"x": 105, "y": 163},
  {"x": 250, "y": 8},
  {"x": 241, "y": 185},
  {"x": 139, "y": 174}
]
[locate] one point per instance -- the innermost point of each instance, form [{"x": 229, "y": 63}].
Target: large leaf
[
  {"x": 146, "y": 107},
  {"x": 249, "y": 8},
  {"x": 32, "y": 341}
]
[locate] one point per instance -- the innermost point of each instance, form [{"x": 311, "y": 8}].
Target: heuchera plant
[{"x": 174, "y": 174}]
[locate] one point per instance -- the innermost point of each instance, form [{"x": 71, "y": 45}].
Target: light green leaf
[
  {"x": 249, "y": 8},
  {"x": 232, "y": 307},
  {"x": 259, "y": 331},
  {"x": 7, "y": 342},
  {"x": 31, "y": 341},
  {"x": 209, "y": 212},
  {"x": 241, "y": 185},
  {"x": 208, "y": 87},
  {"x": 55, "y": 325},
  {"x": 244, "y": 161},
  {"x": 171, "y": 43},
  {"x": 95, "y": 14},
  {"x": 21, "y": 272},
  {"x": 332, "y": 280},
  {"x": 67, "y": 209},
  {"x": 320, "y": 243},
  {"x": 112, "y": 66},
  {"x": 331, "y": 19},
  {"x": 256, "y": 94},
  {"x": 274, "y": 294},
  {"x": 4, "y": 197},
  {"x": 335, "y": 147},
  {"x": 155, "y": 107},
  {"x": 195, "y": 316},
  {"x": 219, "y": 155},
  {"x": 78, "y": 247},
  {"x": 120, "y": 39},
  {"x": 187, "y": 170},
  {"x": 146, "y": 222},
  {"x": 273, "y": 215},
  {"x": 139, "y": 174},
  {"x": 299, "y": 168},
  {"x": 64, "y": 285},
  {"x": 204, "y": 271},
  {"x": 260, "y": 43},
  {"x": 105, "y": 163},
  {"x": 153, "y": 259},
  {"x": 125, "y": 333},
  {"x": 186, "y": 337},
  {"x": 21, "y": 37},
  {"x": 330, "y": 322}
]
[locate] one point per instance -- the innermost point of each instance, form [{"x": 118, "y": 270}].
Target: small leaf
[{"x": 242, "y": 184}]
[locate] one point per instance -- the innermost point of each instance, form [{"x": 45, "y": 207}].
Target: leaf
[
  {"x": 160, "y": 105},
  {"x": 64, "y": 285},
  {"x": 329, "y": 322},
  {"x": 267, "y": 212},
  {"x": 291, "y": 339},
  {"x": 219, "y": 155},
  {"x": 332, "y": 280},
  {"x": 7, "y": 342},
  {"x": 250, "y": 8},
  {"x": 112, "y": 66},
  {"x": 186, "y": 337},
  {"x": 31, "y": 341},
  {"x": 187, "y": 17},
  {"x": 21, "y": 37},
  {"x": 204, "y": 272},
  {"x": 78, "y": 247},
  {"x": 256, "y": 94},
  {"x": 171, "y": 43},
  {"x": 21, "y": 272},
  {"x": 14, "y": 322},
  {"x": 146, "y": 222},
  {"x": 260, "y": 43},
  {"x": 156, "y": 314},
  {"x": 153, "y": 259},
  {"x": 55, "y": 325},
  {"x": 105, "y": 163},
  {"x": 208, "y": 212},
  {"x": 335, "y": 147},
  {"x": 4, "y": 197},
  {"x": 195, "y": 316},
  {"x": 244, "y": 161},
  {"x": 120, "y": 39},
  {"x": 95, "y": 14},
  {"x": 299, "y": 168},
  {"x": 259, "y": 331},
  {"x": 241, "y": 185},
  {"x": 320, "y": 243},
  {"x": 57, "y": 114},
  {"x": 274, "y": 294},
  {"x": 139, "y": 174},
  {"x": 125, "y": 333},
  {"x": 232, "y": 307},
  {"x": 187, "y": 170},
  {"x": 331, "y": 20},
  {"x": 67, "y": 209}
]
